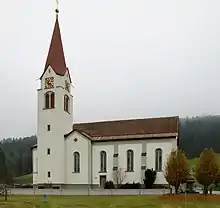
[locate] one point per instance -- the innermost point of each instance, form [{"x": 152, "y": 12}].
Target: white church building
[{"x": 88, "y": 154}]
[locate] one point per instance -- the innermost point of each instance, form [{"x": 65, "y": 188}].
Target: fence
[{"x": 88, "y": 192}]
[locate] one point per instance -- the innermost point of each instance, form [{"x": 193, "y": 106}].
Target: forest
[{"x": 196, "y": 133}]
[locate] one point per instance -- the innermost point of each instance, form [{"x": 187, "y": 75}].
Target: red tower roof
[{"x": 55, "y": 57}]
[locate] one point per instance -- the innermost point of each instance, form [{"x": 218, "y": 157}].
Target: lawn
[
  {"x": 25, "y": 179},
  {"x": 102, "y": 202},
  {"x": 192, "y": 162}
]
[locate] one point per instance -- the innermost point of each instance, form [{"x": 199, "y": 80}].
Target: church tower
[{"x": 55, "y": 119}]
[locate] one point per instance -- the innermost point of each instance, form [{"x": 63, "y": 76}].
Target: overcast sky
[{"x": 127, "y": 58}]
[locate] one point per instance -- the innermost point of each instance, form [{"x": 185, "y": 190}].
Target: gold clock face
[
  {"x": 49, "y": 82},
  {"x": 67, "y": 86}
]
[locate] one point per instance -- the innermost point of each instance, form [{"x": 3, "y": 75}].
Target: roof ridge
[{"x": 132, "y": 119}]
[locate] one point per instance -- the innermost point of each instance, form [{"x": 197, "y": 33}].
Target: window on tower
[
  {"x": 66, "y": 103},
  {"x": 49, "y": 100}
]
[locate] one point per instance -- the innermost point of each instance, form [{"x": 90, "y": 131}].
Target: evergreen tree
[{"x": 3, "y": 168}]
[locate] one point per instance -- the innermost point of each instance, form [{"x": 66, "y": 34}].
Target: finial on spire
[{"x": 57, "y": 9}]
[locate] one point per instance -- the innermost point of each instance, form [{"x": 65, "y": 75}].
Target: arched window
[
  {"x": 52, "y": 97},
  {"x": 103, "y": 161},
  {"x": 158, "y": 159},
  {"x": 66, "y": 103},
  {"x": 49, "y": 100},
  {"x": 130, "y": 160},
  {"x": 76, "y": 157}
]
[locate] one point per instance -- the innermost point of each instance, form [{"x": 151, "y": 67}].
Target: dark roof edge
[
  {"x": 34, "y": 146},
  {"x": 129, "y": 119}
]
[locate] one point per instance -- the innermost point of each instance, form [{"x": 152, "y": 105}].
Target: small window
[
  {"x": 48, "y": 151},
  {"x": 76, "y": 157},
  {"x": 48, "y": 174},
  {"x": 66, "y": 103},
  {"x": 48, "y": 127}
]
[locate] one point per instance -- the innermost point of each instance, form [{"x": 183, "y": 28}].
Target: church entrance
[{"x": 102, "y": 181}]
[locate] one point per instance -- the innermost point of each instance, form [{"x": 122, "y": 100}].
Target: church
[{"x": 89, "y": 154}]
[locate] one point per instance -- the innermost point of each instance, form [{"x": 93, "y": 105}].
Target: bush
[
  {"x": 27, "y": 186},
  {"x": 150, "y": 177},
  {"x": 130, "y": 186},
  {"x": 109, "y": 185},
  {"x": 55, "y": 187}
]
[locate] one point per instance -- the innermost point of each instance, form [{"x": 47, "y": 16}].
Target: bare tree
[
  {"x": 4, "y": 191},
  {"x": 119, "y": 176}
]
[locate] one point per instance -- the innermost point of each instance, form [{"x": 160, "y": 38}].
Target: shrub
[
  {"x": 27, "y": 186},
  {"x": 130, "y": 186},
  {"x": 109, "y": 185},
  {"x": 150, "y": 177},
  {"x": 55, "y": 187}
]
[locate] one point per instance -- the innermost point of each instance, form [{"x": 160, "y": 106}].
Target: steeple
[{"x": 55, "y": 57}]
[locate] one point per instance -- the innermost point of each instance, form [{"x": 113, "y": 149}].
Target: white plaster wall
[
  {"x": 96, "y": 149},
  {"x": 35, "y": 165},
  {"x": 61, "y": 123},
  {"x": 151, "y": 145},
  {"x": 83, "y": 146},
  {"x": 167, "y": 145},
  {"x": 136, "y": 146}
]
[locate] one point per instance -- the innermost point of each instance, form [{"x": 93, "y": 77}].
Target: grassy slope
[
  {"x": 192, "y": 162},
  {"x": 102, "y": 201},
  {"x": 25, "y": 179}
]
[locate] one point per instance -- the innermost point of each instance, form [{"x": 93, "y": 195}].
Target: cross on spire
[{"x": 57, "y": 8}]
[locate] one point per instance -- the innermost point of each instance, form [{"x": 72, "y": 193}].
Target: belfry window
[
  {"x": 49, "y": 100},
  {"x": 66, "y": 103}
]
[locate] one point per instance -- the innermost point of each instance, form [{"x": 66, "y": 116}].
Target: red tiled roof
[
  {"x": 122, "y": 128},
  {"x": 56, "y": 58}
]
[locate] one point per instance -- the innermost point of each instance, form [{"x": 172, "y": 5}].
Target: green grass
[
  {"x": 25, "y": 179},
  {"x": 101, "y": 202},
  {"x": 192, "y": 162}
]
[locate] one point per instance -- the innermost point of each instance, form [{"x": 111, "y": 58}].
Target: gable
[{"x": 77, "y": 134}]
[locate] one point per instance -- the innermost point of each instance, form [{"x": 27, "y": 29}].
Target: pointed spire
[{"x": 56, "y": 58}]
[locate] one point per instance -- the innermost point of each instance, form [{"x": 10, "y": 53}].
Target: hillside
[{"x": 195, "y": 134}]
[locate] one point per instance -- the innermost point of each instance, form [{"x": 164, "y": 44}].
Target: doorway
[{"x": 102, "y": 181}]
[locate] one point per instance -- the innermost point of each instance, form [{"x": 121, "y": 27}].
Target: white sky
[{"x": 127, "y": 58}]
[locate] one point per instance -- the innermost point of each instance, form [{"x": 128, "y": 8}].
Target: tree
[
  {"x": 119, "y": 177},
  {"x": 150, "y": 177},
  {"x": 3, "y": 174},
  {"x": 207, "y": 169},
  {"x": 177, "y": 169},
  {"x": 3, "y": 169}
]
